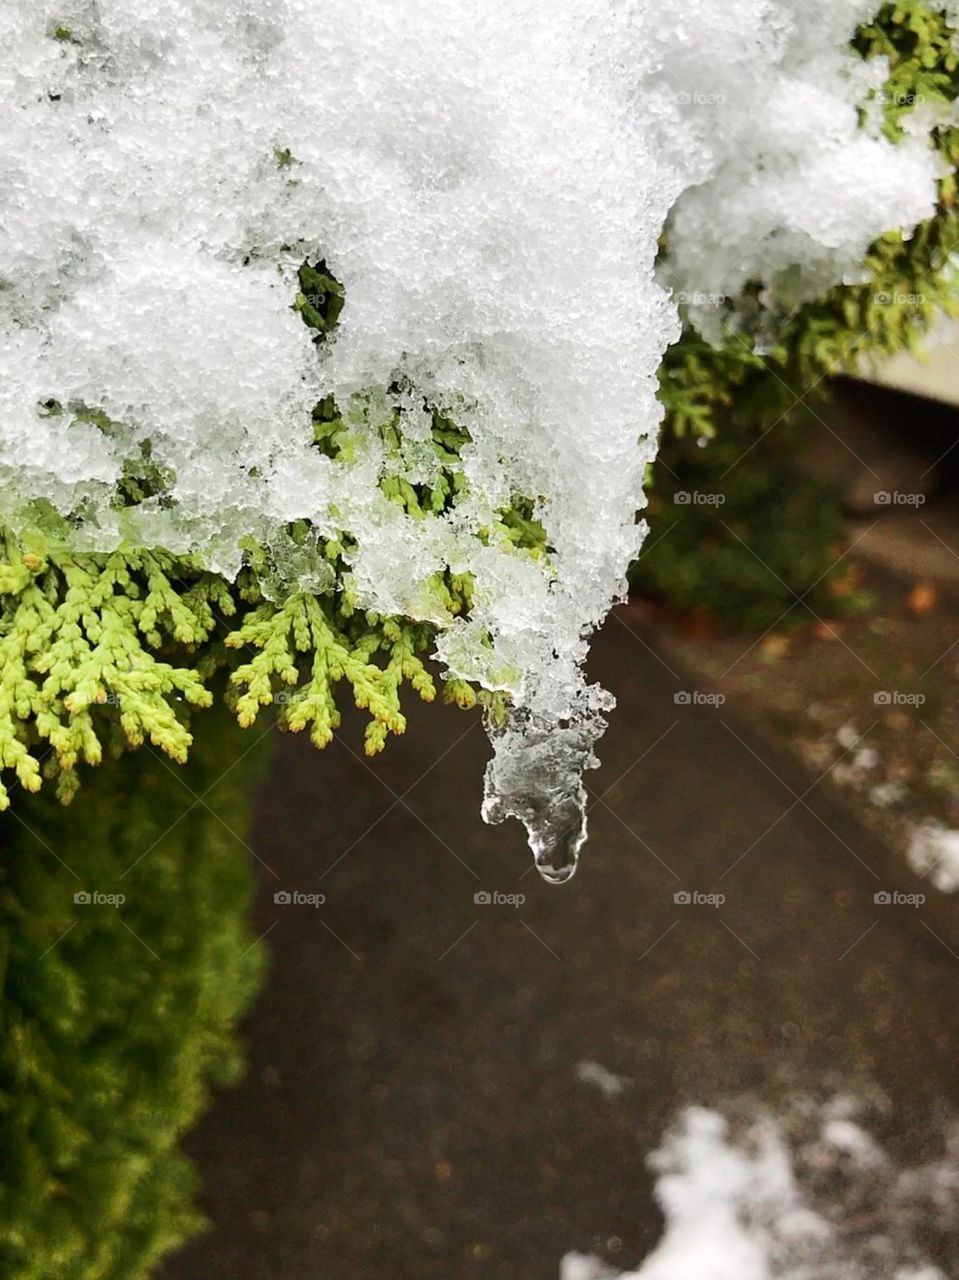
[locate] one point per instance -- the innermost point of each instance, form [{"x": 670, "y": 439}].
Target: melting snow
[{"x": 489, "y": 182}]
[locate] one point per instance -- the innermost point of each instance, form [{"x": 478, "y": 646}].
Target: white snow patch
[
  {"x": 594, "y": 1073},
  {"x": 886, "y": 794},
  {"x": 934, "y": 852},
  {"x": 767, "y": 1205},
  {"x": 848, "y": 737}
]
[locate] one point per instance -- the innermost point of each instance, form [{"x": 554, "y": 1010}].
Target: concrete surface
[
  {"x": 935, "y": 374},
  {"x": 412, "y": 1108}
]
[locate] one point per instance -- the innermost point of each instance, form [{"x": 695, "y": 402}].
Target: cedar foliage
[{"x": 118, "y": 1019}]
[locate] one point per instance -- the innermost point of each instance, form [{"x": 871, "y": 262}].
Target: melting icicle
[{"x": 536, "y": 775}]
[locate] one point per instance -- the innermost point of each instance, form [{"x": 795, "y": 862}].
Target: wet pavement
[{"x": 412, "y": 1107}]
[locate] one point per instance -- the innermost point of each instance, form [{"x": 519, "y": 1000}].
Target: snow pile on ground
[
  {"x": 766, "y": 1204},
  {"x": 489, "y": 183},
  {"x": 934, "y": 852}
]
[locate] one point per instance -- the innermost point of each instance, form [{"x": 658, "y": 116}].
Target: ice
[
  {"x": 773, "y": 1198},
  {"x": 489, "y": 183}
]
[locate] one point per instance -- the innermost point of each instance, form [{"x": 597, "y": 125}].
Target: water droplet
[
  {"x": 536, "y": 775},
  {"x": 556, "y": 839}
]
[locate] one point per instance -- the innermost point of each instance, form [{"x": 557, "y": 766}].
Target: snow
[
  {"x": 607, "y": 1082},
  {"x": 765, "y": 1203},
  {"x": 721, "y": 1205},
  {"x": 489, "y": 183},
  {"x": 934, "y": 852}
]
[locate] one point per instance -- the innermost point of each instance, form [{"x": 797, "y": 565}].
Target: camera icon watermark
[
  {"x": 483, "y": 898},
  {"x": 94, "y": 898},
  {"x": 897, "y": 698},
  {"x": 697, "y": 299},
  {"x": 295, "y": 898},
  {"x": 696, "y": 98},
  {"x": 887, "y": 298},
  {"x": 887, "y": 498},
  {"x": 693, "y": 898},
  {"x": 696, "y": 498},
  {"x": 887, "y": 898},
  {"x": 910, "y": 99},
  {"x": 285, "y": 697},
  {"x": 697, "y": 698}
]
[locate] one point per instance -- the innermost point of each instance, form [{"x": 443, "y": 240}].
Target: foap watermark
[
  {"x": 284, "y": 697},
  {"x": 693, "y": 898},
  {"x": 885, "y": 498},
  {"x": 696, "y": 298},
  {"x": 887, "y": 898},
  {"x": 887, "y": 99},
  {"x": 698, "y": 698},
  {"x": 485, "y": 898},
  {"x": 94, "y": 898},
  {"x": 108, "y": 699},
  {"x": 897, "y": 698},
  {"x": 696, "y": 498},
  {"x": 895, "y": 299},
  {"x": 696, "y": 98},
  {"x": 296, "y": 898}
]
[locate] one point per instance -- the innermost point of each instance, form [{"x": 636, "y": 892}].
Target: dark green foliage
[
  {"x": 742, "y": 536},
  {"x": 752, "y": 388},
  {"x": 908, "y": 282},
  {"x": 320, "y": 297},
  {"x": 116, "y": 1020}
]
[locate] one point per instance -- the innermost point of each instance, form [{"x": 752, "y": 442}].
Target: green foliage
[
  {"x": 117, "y": 1019},
  {"x": 736, "y": 532},
  {"x": 320, "y": 298},
  {"x": 302, "y": 625},
  {"x": 920, "y": 46},
  {"x": 909, "y": 280},
  {"x": 751, "y": 391},
  {"x": 114, "y": 649},
  {"x": 79, "y": 637}
]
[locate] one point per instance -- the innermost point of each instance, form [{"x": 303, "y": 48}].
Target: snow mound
[
  {"x": 934, "y": 852},
  {"x": 764, "y": 1205}
]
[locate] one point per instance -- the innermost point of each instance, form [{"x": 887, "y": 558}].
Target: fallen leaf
[
  {"x": 775, "y": 646},
  {"x": 847, "y": 583},
  {"x": 922, "y": 599}
]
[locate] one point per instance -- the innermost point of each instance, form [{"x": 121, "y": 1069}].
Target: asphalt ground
[{"x": 412, "y": 1107}]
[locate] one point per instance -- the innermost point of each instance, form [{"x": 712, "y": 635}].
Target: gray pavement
[{"x": 412, "y": 1108}]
